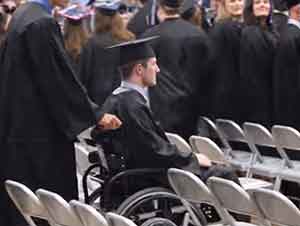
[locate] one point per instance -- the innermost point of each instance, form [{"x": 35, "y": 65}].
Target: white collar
[
  {"x": 132, "y": 86},
  {"x": 294, "y": 22}
]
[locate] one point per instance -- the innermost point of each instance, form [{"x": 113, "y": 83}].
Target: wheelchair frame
[{"x": 166, "y": 204}]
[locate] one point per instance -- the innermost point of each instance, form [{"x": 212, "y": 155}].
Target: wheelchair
[{"x": 142, "y": 195}]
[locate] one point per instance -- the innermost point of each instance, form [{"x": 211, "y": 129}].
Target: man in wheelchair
[
  {"x": 140, "y": 142},
  {"x": 143, "y": 142}
]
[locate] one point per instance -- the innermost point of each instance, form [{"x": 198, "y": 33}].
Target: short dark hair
[
  {"x": 169, "y": 10},
  {"x": 126, "y": 69}
]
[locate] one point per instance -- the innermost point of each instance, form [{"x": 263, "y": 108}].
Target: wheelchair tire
[
  {"x": 158, "y": 221},
  {"x": 94, "y": 198},
  {"x": 156, "y": 202}
]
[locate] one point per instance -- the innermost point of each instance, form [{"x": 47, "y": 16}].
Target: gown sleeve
[
  {"x": 54, "y": 78},
  {"x": 154, "y": 139}
]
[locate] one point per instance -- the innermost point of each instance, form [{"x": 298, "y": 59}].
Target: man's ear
[{"x": 139, "y": 69}]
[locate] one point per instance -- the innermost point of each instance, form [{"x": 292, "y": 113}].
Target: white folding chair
[
  {"x": 191, "y": 189},
  {"x": 287, "y": 139},
  {"x": 267, "y": 165},
  {"x": 179, "y": 142},
  {"x": 27, "y": 202},
  {"x": 232, "y": 132},
  {"x": 276, "y": 208},
  {"x": 118, "y": 220},
  {"x": 59, "y": 210},
  {"x": 213, "y": 133},
  {"x": 209, "y": 148},
  {"x": 88, "y": 215},
  {"x": 225, "y": 190}
]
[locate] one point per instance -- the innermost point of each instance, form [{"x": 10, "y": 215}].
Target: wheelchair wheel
[
  {"x": 95, "y": 198},
  {"x": 156, "y": 203}
]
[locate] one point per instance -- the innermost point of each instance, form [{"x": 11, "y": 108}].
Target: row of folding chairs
[
  {"x": 209, "y": 148},
  {"x": 56, "y": 211},
  {"x": 276, "y": 163},
  {"x": 268, "y": 207}
]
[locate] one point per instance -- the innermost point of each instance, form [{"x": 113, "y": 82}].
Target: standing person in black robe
[
  {"x": 286, "y": 88},
  {"x": 98, "y": 66},
  {"x": 43, "y": 108},
  {"x": 182, "y": 58},
  {"x": 193, "y": 12},
  {"x": 75, "y": 32},
  {"x": 287, "y": 72},
  {"x": 258, "y": 48},
  {"x": 145, "y": 18},
  {"x": 280, "y": 15},
  {"x": 144, "y": 143},
  {"x": 226, "y": 37}
]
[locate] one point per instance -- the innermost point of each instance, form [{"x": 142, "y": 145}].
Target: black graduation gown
[
  {"x": 143, "y": 142},
  {"x": 43, "y": 108},
  {"x": 258, "y": 48},
  {"x": 144, "y": 18},
  {"x": 287, "y": 78},
  {"x": 226, "y": 37},
  {"x": 182, "y": 59},
  {"x": 98, "y": 70}
]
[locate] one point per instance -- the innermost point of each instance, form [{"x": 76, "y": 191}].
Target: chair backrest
[
  {"x": 230, "y": 130},
  {"x": 276, "y": 207},
  {"x": 26, "y": 201},
  {"x": 213, "y": 131},
  {"x": 207, "y": 147},
  {"x": 190, "y": 188},
  {"x": 118, "y": 220},
  {"x": 88, "y": 215},
  {"x": 256, "y": 134},
  {"x": 286, "y": 137},
  {"x": 179, "y": 142},
  {"x": 59, "y": 210},
  {"x": 232, "y": 196}
]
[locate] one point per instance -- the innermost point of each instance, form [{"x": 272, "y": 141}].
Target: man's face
[
  {"x": 296, "y": 11},
  {"x": 149, "y": 72}
]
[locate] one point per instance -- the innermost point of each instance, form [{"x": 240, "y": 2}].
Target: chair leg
[
  {"x": 186, "y": 219},
  {"x": 277, "y": 184}
]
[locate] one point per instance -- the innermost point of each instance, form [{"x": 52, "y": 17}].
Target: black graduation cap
[
  {"x": 107, "y": 7},
  {"x": 188, "y": 8},
  {"x": 135, "y": 50},
  {"x": 75, "y": 13},
  {"x": 172, "y": 3},
  {"x": 291, "y": 3}
]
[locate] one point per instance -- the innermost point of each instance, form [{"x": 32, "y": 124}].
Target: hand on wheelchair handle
[{"x": 109, "y": 122}]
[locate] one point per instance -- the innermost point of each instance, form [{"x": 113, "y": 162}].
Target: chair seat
[
  {"x": 270, "y": 167},
  {"x": 240, "y": 160},
  {"x": 253, "y": 183},
  {"x": 240, "y": 165},
  {"x": 292, "y": 174}
]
